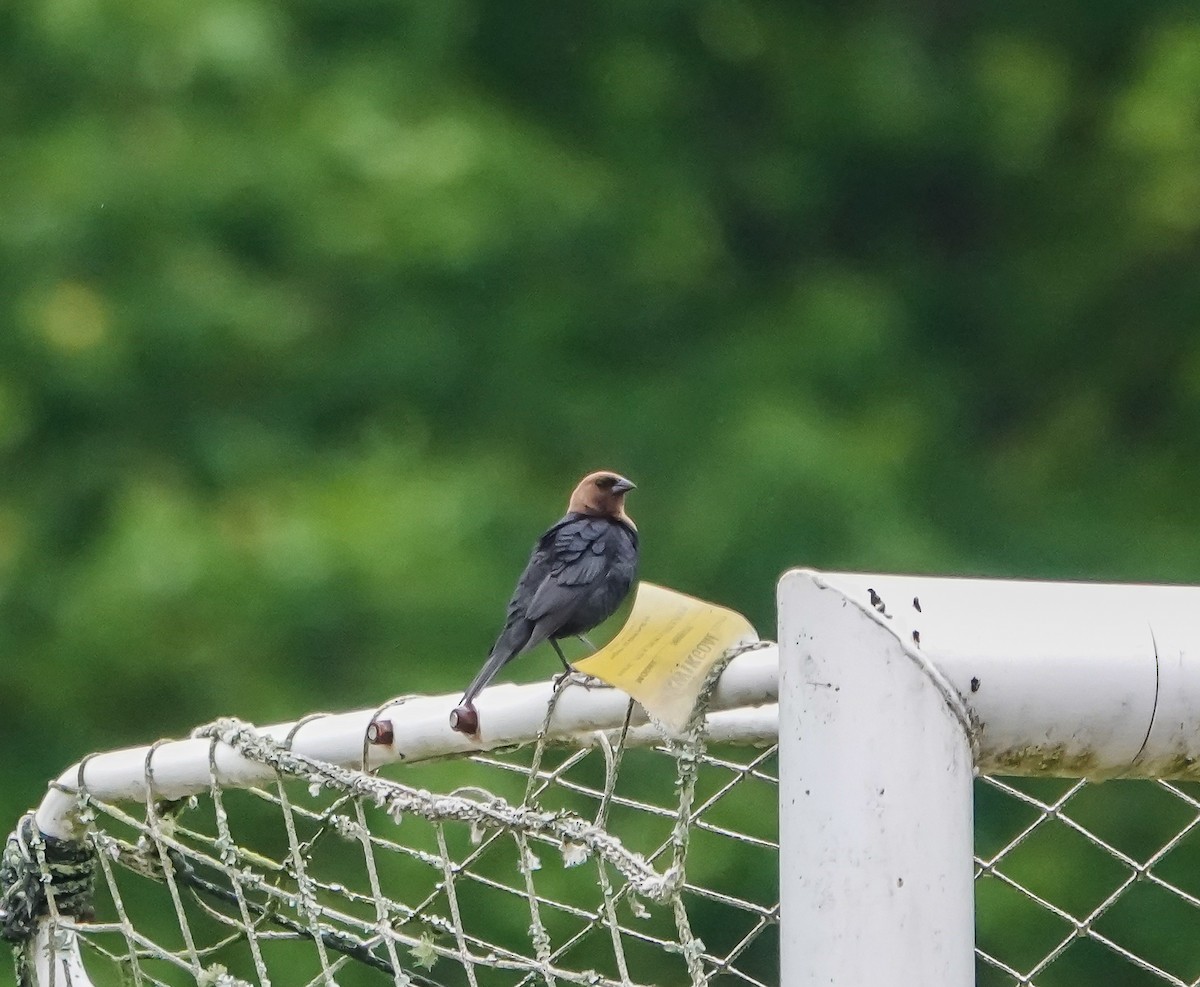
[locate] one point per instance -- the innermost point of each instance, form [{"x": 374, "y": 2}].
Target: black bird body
[{"x": 580, "y": 572}]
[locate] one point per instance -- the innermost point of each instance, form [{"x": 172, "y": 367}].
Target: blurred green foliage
[{"x": 311, "y": 313}]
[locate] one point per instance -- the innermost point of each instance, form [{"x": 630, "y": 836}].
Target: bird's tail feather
[
  {"x": 518, "y": 637},
  {"x": 495, "y": 661},
  {"x": 513, "y": 640}
]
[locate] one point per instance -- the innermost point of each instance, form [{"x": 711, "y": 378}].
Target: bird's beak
[{"x": 622, "y": 486}]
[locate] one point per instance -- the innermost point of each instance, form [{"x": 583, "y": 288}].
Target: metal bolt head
[
  {"x": 380, "y": 732},
  {"x": 464, "y": 719}
]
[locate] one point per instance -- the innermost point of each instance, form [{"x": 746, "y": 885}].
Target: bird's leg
[
  {"x": 567, "y": 671},
  {"x": 561, "y": 656},
  {"x": 583, "y": 679},
  {"x": 570, "y": 672}
]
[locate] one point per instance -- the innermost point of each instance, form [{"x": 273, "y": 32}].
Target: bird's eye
[{"x": 605, "y": 482}]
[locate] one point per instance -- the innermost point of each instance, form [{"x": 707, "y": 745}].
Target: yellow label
[{"x": 665, "y": 650}]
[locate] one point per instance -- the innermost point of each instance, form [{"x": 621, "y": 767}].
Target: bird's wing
[
  {"x": 576, "y": 560},
  {"x": 519, "y": 630},
  {"x": 537, "y": 570}
]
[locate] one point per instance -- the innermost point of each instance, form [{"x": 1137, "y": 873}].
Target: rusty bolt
[
  {"x": 464, "y": 719},
  {"x": 380, "y": 732}
]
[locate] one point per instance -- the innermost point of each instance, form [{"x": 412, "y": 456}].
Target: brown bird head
[{"x": 602, "y": 494}]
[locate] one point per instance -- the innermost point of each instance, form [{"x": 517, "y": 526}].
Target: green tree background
[{"x": 312, "y": 312}]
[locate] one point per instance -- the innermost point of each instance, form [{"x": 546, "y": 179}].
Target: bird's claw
[{"x": 581, "y": 679}]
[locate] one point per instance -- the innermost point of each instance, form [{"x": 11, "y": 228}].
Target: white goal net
[
  {"x": 616, "y": 856},
  {"x": 1067, "y": 893},
  {"x": 621, "y": 860}
]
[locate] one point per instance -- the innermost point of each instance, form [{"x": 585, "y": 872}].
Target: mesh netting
[
  {"x": 606, "y": 863},
  {"x": 1084, "y": 884}
]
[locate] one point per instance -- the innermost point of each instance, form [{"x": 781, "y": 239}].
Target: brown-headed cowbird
[{"x": 579, "y": 572}]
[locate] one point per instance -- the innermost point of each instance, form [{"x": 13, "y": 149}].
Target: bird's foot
[
  {"x": 567, "y": 669},
  {"x": 581, "y": 679}
]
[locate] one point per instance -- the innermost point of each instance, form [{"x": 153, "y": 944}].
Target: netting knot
[
  {"x": 32, "y": 867},
  {"x": 229, "y": 730}
]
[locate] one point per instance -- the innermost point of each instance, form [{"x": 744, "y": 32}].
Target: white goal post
[
  {"x": 896, "y": 690},
  {"x": 887, "y": 695}
]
